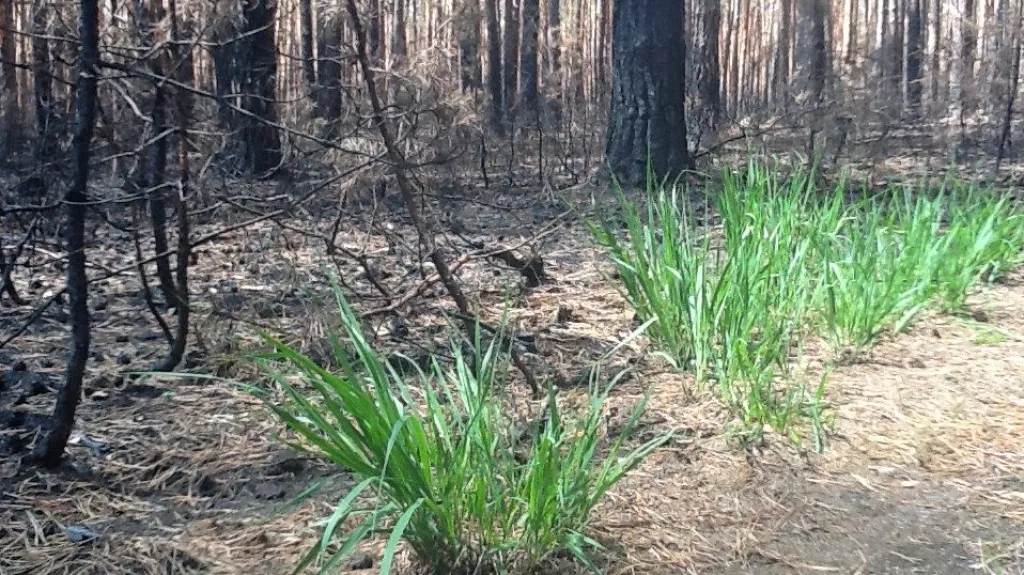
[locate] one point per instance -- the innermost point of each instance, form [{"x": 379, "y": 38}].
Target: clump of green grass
[
  {"x": 789, "y": 261},
  {"x": 446, "y": 471}
]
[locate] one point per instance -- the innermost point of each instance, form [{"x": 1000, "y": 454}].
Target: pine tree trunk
[
  {"x": 707, "y": 68},
  {"x": 529, "y": 65},
  {"x": 306, "y": 33},
  {"x": 647, "y": 117},
  {"x": 398, "y": 40},
  {"x": 42, "y": 74},
  {"x": 329, "y": 64},
  {"x": 50, "y": 450},
  {"x": 494, "y": 68},
  {"x": 9, "y": 114},
  {"x": 260, "y": 140},
  {"x": 967, "y": 57},
  {"x": 510, "y": 69},
  {"x": 782, "y": 60},
  {"x": 468, "y": 31},
  {"x": 554, "y": 37},
  {"x": 915, "y": 53}
]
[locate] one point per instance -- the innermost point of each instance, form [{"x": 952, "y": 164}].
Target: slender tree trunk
[
  {"x": 782, "y": 61},
  {"x": 968, "y": 48},
  {"x": 9, "y": 112},
  {"x": 306, "y": 37},
  {"x": 554, "y": 37},
  {"x": 398, "y": 40},
  {"x": 529, "y": 62},
  {"x": 42, "y": 75},
  {"x": 896, "y": 55},
  {"x": 915, "y": 53},
  {"x": 376, "y": 27},
  {"x": 494, "y": 67},
  {"x": 468, "y": 30},
  {"x": 511, "y": 54},
  {"x": 1011, "y": 91},
  {"x": 181, "y": 300},
  {"x": 50, "y": 450},
  {"x": 647, "y": 119},
  {"x": 936, "y": 71}
]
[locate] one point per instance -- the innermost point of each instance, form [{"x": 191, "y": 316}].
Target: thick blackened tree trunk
[
  {"x": 50, "y": 450},
  {"x": 511, "y": 53},
  {"x": 329, "y": 100},
  {"x": 494, "y": 67},
  {"x": 813, "y": 63},
  {"x": 528, "y": 63},
  {"x": 915, "y": 54},
  {"x": 647, "y": 118},
  {"x": 260, "y": 139},
  {"x": 42, "y": 74},
  {"x": 306, "y": 38},
  {"x": 708, "y": 70}
]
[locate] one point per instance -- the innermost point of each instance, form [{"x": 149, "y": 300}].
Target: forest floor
[{"x": 923, "y": 473}]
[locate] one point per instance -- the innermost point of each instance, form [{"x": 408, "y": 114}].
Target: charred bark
[
  {"x": 915, "y": 55},
  {"x": 510, "y": 69},
  {"x": 306, "y": 39},
  {"x": 707, "y": 69},
  {"x": 50, "y": 449},
  {"x": 259, "y": 137},
  {"x": 494, "y": 68},
  {"x": 647, "y": 119},
  {"x": 42, "y": 75},
  {"x": 528, "y": 63}
]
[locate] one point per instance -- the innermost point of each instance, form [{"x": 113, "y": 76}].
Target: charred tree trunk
[
  {"x": 967, "y": 52},
  {"x": 329, "y": 94},
  {"x": 1011, "y": 90},
  {"x": 306, "y": 38},
  {"x": 554, "y": 36},
  {"x": 896, "y": 74},
  {"x": 647, "y": 119},
  {"x": 42, "y": 75},
  {"x": 376, "y": 29},
  {"x": 511, "y": 53},
  {"x": 529, "y": 63},
  {"x": 782, "y": 60},
  {"x": 398, "y": 40},
  {"x": 183, "y": 250},
  {"x": 468, "y": 32},
  {"x": 494, "y": 68},
  {"x": 259, "y": 137},
  {"x": 915, "y": 54},
  {"x": 10, "y": 115},
  {"x": 50, "y": 450},
  {"x": 152, "y": 180},
  {"x": 813, "y": 67},
  {"x": 707, "y": 67}
]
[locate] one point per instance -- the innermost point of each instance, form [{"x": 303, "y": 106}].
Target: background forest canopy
[{"x": 168, "y": 116}]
